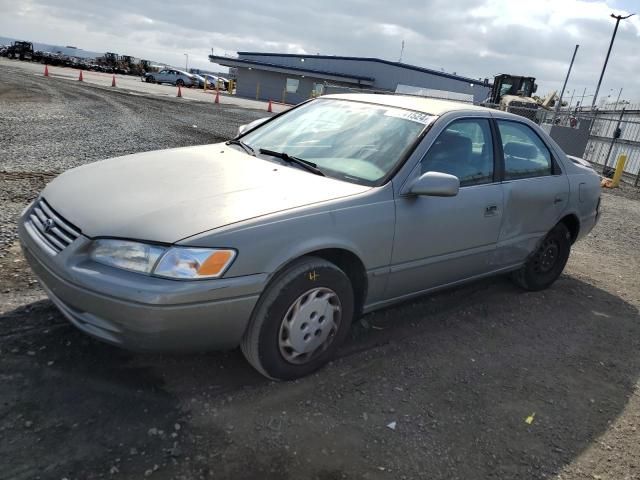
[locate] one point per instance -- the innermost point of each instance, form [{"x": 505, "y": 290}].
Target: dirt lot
[{"x": 459, "y": 372}]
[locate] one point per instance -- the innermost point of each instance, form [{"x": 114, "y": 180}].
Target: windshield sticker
[{"x": 418, "y": 117}]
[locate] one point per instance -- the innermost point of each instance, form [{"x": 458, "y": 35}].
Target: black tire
[
  {"x": 261, "y": 341},
  {"x": 546, "y": 264},
  {"x": 150, "y": 80},
  {"x": 179, "y": 83}
]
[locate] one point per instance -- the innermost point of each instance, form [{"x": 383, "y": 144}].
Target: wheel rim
[
  {"x": 310, "y": 325},
  {"x": 547, "y": 256}
]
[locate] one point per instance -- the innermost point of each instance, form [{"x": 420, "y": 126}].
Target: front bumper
[{"x": 139, "y": 312}]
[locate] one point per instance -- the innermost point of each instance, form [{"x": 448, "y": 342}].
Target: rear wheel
[
  {"x": 300, "y": 320},
  {"x": 547, "y": 262},
  {"x": 180, "y": 83}
]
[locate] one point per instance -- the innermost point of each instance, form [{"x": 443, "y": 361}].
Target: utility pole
[
  {"x": 582, "y": 97},
  {"x": 401, "y": 51},
  {"x": 618, "y": 99},
  {"x": 606, "y": 60},
  {"x": 186, "y": 63},
  {"x": 555, "y": 112}
]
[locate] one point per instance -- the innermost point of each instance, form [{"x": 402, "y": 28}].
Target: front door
[
  {"x": 441, "y": 240},
  {"x": 161, "y": 76}
]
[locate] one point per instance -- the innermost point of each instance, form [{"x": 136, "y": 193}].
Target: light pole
[
  {"x": 571, "y": 101},
  {"x": 604, "y": 67},
  {"x": 564, "y": 86},
  {"x": 186, "y": 62}
]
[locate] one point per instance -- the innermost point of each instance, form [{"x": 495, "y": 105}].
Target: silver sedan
[
  {"x": 275, "y": 241},
  {"x": 172, "y": 76}
]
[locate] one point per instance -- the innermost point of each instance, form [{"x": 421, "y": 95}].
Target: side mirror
[
  {"x": 435, "y": 184},
  {"x": 252, "y": 125}
]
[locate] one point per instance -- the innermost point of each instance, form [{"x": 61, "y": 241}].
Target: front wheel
[
  {"x": 150, "y": 80},
  {"x": 547, "y": 262},
  {"x": 179, "y": 83},
  {"x": 301, "y": 319}
]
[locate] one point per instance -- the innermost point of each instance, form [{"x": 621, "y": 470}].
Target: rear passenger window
[
  {"x": 465, "y": 150},
  {"x": 525, "y": 155}
]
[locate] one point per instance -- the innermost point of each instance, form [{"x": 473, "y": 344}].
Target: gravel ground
[
  {"x": 51, "y": 125},
  {"x": 457, "y": 373}
]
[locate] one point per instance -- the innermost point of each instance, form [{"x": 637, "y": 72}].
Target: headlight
[
  {"x": 175, "y": 262},
  {"x": 138, "y": 257},
  {"x": 193, "y": 263}
]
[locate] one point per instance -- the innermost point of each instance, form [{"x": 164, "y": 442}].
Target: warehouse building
[{"x": 293, "y": 78}]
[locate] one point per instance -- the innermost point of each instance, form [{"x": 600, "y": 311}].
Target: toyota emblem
[{"x": 48, "y": 225}]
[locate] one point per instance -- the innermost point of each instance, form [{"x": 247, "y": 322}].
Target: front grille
[{"x": 53, "y": 230}]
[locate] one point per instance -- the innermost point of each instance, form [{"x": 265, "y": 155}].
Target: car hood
[{"x": 167, "y": 195}]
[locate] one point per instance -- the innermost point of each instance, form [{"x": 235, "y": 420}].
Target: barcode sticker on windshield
[{"x": 418, "y": 117}]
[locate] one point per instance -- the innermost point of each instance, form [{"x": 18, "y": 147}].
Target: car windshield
[{"x": 352, "y": 141}]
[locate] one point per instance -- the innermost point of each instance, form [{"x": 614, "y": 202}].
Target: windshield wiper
[
  {"x": 245, "y": 147},
  {"x": 306, "y": 164}
]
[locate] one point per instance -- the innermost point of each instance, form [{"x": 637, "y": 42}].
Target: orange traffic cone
[
  {"x": 179, "y": 92},
  {"x": 113, "y": 81},
  {"x": 80, "y": 77},
  {"x": 46, "y": 70},
  {"x": 269, "y": 108},
  {"x": 217, "y": 100}
]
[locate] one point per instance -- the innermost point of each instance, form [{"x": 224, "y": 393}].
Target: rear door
[{"x": 536, "y": 191}]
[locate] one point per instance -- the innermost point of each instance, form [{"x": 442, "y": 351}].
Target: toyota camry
[{"x": 276, "y": 240}]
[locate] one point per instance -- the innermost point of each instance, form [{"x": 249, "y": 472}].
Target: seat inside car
[
  {"x": 452, "y": 154},
  {"x": 522, "y": 157}
]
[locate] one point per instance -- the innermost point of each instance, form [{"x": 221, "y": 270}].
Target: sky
[{"x": 474, "y": 38}]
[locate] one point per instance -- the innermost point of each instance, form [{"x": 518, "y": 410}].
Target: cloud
[{"x": 475, "y": 38}]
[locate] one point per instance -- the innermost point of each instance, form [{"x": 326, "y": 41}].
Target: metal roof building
[{"x": 293, "y": 78}]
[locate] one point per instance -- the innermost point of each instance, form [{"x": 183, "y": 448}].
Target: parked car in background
[
  {"x": 275, "y": 241},
  {"x": 215, "y": 81},
  {"x": 199, "y": 80},
  {"x": 172, "y": 76}
]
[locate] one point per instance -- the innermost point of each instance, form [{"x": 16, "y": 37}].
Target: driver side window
[{"x": 464, "y": 149}]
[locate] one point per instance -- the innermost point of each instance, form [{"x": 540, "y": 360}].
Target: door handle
[
  {"x": 557, "y": 200},
  {"x": 490, "y": 210}
]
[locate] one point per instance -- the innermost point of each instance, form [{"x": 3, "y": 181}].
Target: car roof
[{"x": 431, "y": 106}]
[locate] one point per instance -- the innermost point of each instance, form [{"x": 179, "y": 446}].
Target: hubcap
[
  {"x": 547, "y": 256},
  {"x": 310, "y": 325}
]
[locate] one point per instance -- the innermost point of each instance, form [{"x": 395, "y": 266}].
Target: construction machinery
[
  {"x": 21, "y": 50},
  {"x": 145, "y": 66},
  {"x": 110, "y": 63},
  {"x": 512, "y": 88},
  {"x": 123, "y": 64},
  {"x": 514, "y": 93},
  {"x": 134, "y": 66}
]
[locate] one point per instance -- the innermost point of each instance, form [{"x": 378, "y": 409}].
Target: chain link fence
[{"x": 611, "y": 132}]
